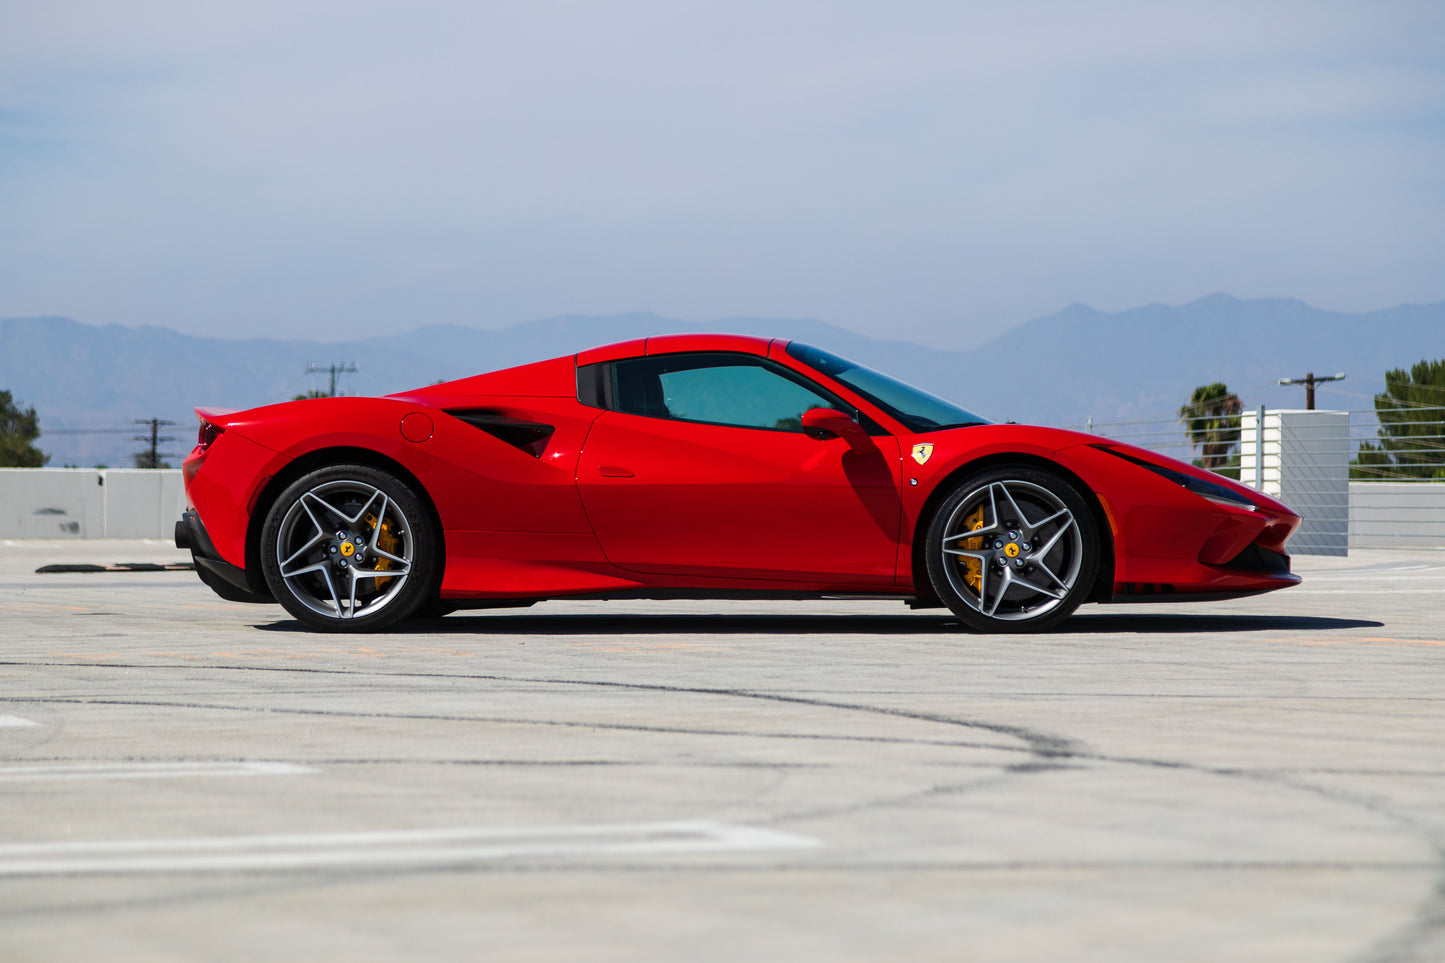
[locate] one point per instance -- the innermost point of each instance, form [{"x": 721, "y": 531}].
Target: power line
[
  {"x": 1414, "y": 386},
  {"x": 333, "y": 369},
  {"x": 1309, "y": 381},
  {"x": 152, "y": 455}
]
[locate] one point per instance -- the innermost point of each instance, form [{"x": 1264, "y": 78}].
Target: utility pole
[
  {"x": 152, "y": 455},
  {"x": 333, "y": 370},
  {"x": 1309, "y": 381}
]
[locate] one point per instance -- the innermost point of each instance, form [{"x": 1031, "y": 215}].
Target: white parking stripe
[
  {"x": 15, "y": 721},
  {"x": 147, "y": 770},
  {"x": 1383, "y": 591},
  {"x": 418, "y": 847}
]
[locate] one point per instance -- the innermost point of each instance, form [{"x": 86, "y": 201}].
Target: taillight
[{"x": 207, "y": 434}]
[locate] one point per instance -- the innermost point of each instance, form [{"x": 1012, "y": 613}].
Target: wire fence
[
  {"x": 1362, "y": 478},
  {"x": 1405, "y": 446}
]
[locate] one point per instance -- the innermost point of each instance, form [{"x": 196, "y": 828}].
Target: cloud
[{"x": 946, "y": 167}]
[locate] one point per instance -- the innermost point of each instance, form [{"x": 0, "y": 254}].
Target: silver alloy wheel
[
  {"x": 344, "y": 549},
  {"x": 1012, "y": 550}
]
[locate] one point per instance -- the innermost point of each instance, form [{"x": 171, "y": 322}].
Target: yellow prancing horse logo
[
  {"x": 1011, "y": 550},
  {"x": 348, "y": 549},
  {"x": 921, "y": 453}
]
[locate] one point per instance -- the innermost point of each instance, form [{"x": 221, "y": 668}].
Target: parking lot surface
[{"x": 187, "y": 778}]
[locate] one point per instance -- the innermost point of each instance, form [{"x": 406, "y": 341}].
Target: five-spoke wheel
[
  {"x": 350, "y": 548},
  {"x": 1012, "y": 549}
]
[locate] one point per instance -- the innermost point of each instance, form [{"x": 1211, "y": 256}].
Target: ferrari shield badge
[{"x": 921, "y": 453}]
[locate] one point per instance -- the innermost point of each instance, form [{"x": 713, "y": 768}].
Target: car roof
[{"x": 673, "y": 344}]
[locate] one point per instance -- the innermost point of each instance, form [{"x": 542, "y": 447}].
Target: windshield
[{"x": 917, "y": 409}]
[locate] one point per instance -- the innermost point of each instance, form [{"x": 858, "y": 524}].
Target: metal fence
[{"x": 1359, "y": 480}]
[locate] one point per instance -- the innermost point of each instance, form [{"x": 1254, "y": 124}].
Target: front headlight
[{"x": 1211, "y": 491}]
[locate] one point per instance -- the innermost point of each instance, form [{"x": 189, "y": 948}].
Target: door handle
[{"x": 613, "y": 471}]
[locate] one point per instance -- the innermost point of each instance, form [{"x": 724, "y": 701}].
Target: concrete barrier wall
[
  {"x": 1397, "y": 514},
  {"x": 89, "y": 502}
]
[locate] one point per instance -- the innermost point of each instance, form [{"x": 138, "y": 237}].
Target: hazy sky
[{"x": 929, "y": 170}]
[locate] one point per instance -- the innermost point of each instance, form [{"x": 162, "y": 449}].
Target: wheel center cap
[
  {"x": 1011, "y": 549},
  {"x": 348, "y": 549}
]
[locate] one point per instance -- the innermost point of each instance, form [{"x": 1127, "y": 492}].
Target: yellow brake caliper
[
  {"x": 972, "y": 567},
  {"x": 386, "y": 540}
]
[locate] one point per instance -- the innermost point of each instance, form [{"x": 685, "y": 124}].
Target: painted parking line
[
  {"x": 433, "y": 847},
  {"x": 147, "y": 770},
  {"x": 15, "y": 721},
  {"x": 1364, "y": 592},
  {"x": 1375, "y": 572}
]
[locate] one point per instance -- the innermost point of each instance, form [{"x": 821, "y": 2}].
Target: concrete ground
[{"x": 185, "y": 778}]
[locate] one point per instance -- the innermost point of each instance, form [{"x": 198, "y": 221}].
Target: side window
[{"x": 718, "y": 389}]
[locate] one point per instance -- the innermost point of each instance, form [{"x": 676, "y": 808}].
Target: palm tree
[{"x": 1211, "y": 420}]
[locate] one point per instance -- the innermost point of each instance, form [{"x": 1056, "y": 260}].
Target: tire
[
  {"x": 350, "y": 548},
  {"x": 435, "y": 609},
  {"x": 1012, "y": 549}
]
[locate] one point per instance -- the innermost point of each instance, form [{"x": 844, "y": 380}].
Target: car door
[{"x": 701, "y": 468}]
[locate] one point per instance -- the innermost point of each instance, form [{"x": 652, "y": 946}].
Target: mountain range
[{"x": 90, "y": 383}]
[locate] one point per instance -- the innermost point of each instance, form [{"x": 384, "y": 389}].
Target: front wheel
[
  {"x": 1012, "y": 549},
  {"x": 350, "y": 548}
]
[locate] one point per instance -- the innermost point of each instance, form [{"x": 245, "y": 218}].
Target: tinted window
[
  {"x": 914, "y": 407},
  {"x": 720, "y": 389}
]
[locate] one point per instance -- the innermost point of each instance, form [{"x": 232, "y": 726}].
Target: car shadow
[
  {"x": 487, "y": 623},
  {"x": 1171, "y": 623}
]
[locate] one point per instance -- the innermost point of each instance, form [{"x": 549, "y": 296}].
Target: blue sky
[{"x": 936, "y": 171}]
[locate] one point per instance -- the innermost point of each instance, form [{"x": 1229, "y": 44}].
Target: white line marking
[
  {"x": 147, "y": 770},
  {"x": 1376, "y": 577},
  {"x": 427, "y": 846},
  {"x": 15, "y": 721},
  {"x": 1434, "y": 591}
]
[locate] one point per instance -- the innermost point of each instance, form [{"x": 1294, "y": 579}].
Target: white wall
[
  {"x": 1305, "y": 464},
  {"x": 89, "y": 502},
  {"x": 1397, "y": 514}
]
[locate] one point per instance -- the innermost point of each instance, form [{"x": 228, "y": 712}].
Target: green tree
[
  {"x": 18, "y": 430},
  {"x": 1211, "y": 419},
  {"x": 1411, "y": 438}
]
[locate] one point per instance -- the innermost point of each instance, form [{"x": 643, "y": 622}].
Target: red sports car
[{"x": 702, "y": 466}]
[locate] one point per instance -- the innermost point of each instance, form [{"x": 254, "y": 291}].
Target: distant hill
[
  {"x": 1061, "y": 369},
  {"x": 1143, "y": 363}
]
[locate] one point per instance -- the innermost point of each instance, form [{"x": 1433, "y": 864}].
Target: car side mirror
[{"x": 822, "y": 423}]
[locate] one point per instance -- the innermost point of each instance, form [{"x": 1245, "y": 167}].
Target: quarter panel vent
[{"x": 523, "y": 435}]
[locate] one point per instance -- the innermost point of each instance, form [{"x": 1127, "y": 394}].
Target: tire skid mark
[
  {"x": 197, "y": 891},
  {"x": 1420, "y": 939},
  {"x": 520, "y": 721}
]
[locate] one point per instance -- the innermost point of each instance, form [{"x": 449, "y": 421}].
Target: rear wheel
[
  {"x": 350, "y": 548},
  {"x": 435, "y": 609},
  {"x": 1012, "y": 549}
]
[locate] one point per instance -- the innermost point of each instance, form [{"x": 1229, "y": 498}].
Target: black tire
[
  {"x": 435, "y": 609},
  {"x": 1012, "y": 548},
  {"x": 350, "y": 548}
]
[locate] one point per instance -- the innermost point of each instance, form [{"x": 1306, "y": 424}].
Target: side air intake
[{"x": 528, "y": 436}]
